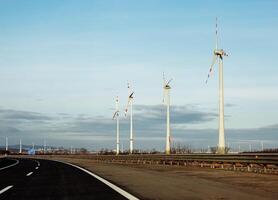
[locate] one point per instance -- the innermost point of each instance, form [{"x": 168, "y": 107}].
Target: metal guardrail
[
  {"x": 267, "y": 159},
  {"x": 260, "y": 163}
]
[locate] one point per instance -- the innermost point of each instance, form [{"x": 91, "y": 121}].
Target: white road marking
[
  {"x": 5, "y": 189},
  {"x": 30, "y": 173},
  {"x": 37, "y": 167},
  {"x": 37, "y": 162},
  {"x": 111, "y": 185},
  {"x": 17, "y": 161}
]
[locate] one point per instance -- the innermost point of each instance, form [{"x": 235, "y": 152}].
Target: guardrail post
[
  {"x": 212, "y": 165},
  {"x": 248, "y": 168},
  {"x": 265, "y": 169}
]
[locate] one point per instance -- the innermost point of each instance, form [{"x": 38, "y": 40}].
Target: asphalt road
[{"x": 43, "y": 179}]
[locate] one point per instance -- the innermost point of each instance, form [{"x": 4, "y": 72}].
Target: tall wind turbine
[
  {"x": 218, "y": 55},
  {"x": 166, "y": 101},
  {"x": 129, "y": 105},
  {"x": 116, "y": 116}
]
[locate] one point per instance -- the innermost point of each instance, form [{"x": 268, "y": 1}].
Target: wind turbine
[
  {"x": 44, "y": 146},
  {"x": 218, "y": 55},
  {"x": 129, "y": 105},
  {"x": 20, "y": 146},
  {"x": 116, "y": 116},
  {"x": 166, "y": 101},
  {"x": 262, "y": 145}
]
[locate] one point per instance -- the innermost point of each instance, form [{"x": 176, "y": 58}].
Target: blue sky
[{"x": 67, "y": 60}]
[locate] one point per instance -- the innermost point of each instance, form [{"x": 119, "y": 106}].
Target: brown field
[{"x": 179, "y": 182}]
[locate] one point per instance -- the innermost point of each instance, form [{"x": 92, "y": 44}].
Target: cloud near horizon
[{"x": 149, "y": 128}]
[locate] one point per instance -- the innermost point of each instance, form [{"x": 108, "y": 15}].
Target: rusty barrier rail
[{"x": 258, "y": 163}]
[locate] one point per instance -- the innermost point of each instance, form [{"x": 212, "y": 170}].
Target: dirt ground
[{"x": 179, "y": 182}]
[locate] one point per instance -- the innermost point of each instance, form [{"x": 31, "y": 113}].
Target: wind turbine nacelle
[
  {"x": 131, "y": 95},
  {"x": 167, "y": 87},
  {"x": 220, "y": 52}
]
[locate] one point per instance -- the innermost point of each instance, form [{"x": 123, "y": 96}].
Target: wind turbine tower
[
  {"x": 166, "y": 101},
  {"x": 7, "y": 144},
  {"x": 218, "y": 55},
  {"x": 129, "y": 105},
  {"x": 116, "y": 116},
  {"x": 20, "y": 146},
  {"x": 44, "y": 146}
]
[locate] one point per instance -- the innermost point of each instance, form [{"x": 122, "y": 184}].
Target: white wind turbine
[
  {"x": 116, "y": 116},
  {"x": 166, "y": 101},
  {"x": 218, "y": 55},
  {"x": 130, "y": 104}
]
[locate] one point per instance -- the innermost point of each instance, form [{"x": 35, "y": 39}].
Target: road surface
[{"x": 44, "y": 179}]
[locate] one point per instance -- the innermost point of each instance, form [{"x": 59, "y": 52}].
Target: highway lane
[{"x": 44, "y": 179}]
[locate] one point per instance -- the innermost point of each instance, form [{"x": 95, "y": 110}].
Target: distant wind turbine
[
  {"x": 218, "y": 55},
  {"x": 44, "y": 146},
  {"x": 166, "y": 101},
  {"x": 7, "y": 144},
  {"x": 129, "y": 105},
  {"x": 116, "y": 116},
  {"x": 262, "y": 145},
  {"x": 20, "y": 146}
]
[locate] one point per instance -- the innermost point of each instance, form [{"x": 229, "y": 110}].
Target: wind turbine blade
[
  {"x": 164, "y": 80},
  {"x": 216, "y": 34},
  {"x": 128, "y": 103},
  {"x": 131, "y": 95},
  {"x": 164, "y": 83},
  {"x": 163, "y": 100},
  {"x": 169, "y": 81},
  {"x": 115, "y": 114},
  {"x": 211, "y": 67},
  {"x": 129, "y": 88}
]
